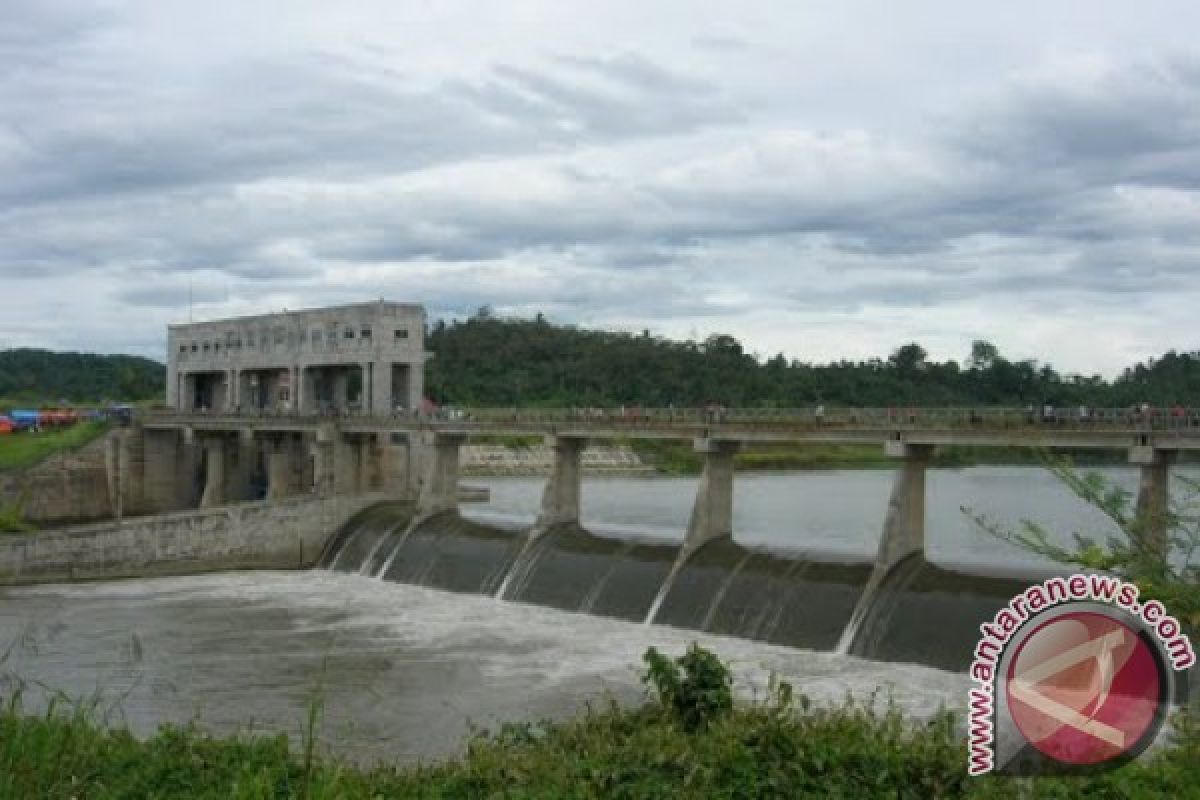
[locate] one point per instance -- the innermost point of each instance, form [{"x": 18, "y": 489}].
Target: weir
[{"x": 897, "y": 606}]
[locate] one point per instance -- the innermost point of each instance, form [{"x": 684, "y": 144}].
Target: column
[
  {"x": 324, "y": 460},
  {"x": 234, "y": 396},
  {"x": 712, "y": 512},
  {"x": 282, "y": 469},
  {"x": 214, "y": 473},
  {"x": 299, "y": 401},
  {"x": 904, "y": 526},
  {"x": 439, "y": 484},
  {"x": 561, "y": 497},
  {"x": 381, "y": 388},
  {"x": 368, "y": 401},
  {"x": 341, "y": 390},
  {"x": 1153, "y": 518}
]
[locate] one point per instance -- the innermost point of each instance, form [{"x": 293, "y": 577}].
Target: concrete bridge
[{"x": 172, "y": 461}]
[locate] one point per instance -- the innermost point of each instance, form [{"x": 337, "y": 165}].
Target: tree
[
  {"x": 983, "y": 355},
  {"x": 909, "y": 358}
]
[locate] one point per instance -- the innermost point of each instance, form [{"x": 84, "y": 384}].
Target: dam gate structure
[{"x": 896, "y": 606}]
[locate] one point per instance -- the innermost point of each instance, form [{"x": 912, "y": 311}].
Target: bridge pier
[
  {"x": 1153, "y": 499},
  {"x": 564, "y": 487},
  {"x": 284, "y": 467},
  {"x": 904, "y": 526},
  {"x": 214, "y": 473},
  {"x": 712, "y": 511},
  {"x": 439, "y": 473},
  {"x": 324, "y": 459}
]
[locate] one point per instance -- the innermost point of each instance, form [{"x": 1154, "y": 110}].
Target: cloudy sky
[{"x": 823, "y": 179}]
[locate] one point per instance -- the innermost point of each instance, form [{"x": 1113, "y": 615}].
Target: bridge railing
[{"x": 848, "y": 418}]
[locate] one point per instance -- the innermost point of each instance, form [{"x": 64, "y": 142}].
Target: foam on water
[{"x": 404, "y": 668}]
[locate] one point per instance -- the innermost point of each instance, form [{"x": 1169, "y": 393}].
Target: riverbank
[
  {"x": 677, "y": 745},
  {"x": 679, "y": 457}
]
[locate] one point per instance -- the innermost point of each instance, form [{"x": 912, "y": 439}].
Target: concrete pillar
[
  {"x": 368, "y": 400},
  {"x": 439, "y": 484},
  {"x": 324, "y": 455},
  {"x": 560, "y": 498},
  {"x": 187, "y": 468},
  {"x": 712, "y": 512},
  {"x": 233, "y": 380},
  {"x": 283, "y": 471},
  {"x": 1153, "y": 499},
  {"x": 341, "y": 390},
  {"x": 347, "y": 469},
  {"x": 131, "y": 472},
  {"x": 241, "y": 461},
  {"x": 214, "y": 473},
  {"x": 904, "y": 526},
  {"x": 381, "y": 388},
  {"x": 299, "y": 399}
]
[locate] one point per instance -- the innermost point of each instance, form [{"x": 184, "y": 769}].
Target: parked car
[{"x": 6, "y": 425}]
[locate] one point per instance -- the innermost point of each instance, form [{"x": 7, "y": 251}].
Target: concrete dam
[
  {"x": 919, "y": 612},
  {"x": 897, "y": 606}
]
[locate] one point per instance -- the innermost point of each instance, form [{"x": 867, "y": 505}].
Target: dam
[{"x": 895, "y": 605}]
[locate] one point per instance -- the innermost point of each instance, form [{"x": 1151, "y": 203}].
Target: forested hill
[
  {"x": 487, "y": 360},
  {"x": 42, "y": 376}
]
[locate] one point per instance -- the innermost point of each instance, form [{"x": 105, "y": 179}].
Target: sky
[{"x": 827, "y": 180}]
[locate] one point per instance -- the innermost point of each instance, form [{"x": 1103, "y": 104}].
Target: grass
[
  {"x": 25, "y": 449},
  {"x": 780, "y": 747}
]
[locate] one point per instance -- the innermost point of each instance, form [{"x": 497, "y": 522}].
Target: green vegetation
[
  {"x": 679, "y": 458},
  {"x": 41, "y": 377},
  {"x": 689, "y": 741},
  {"x": 1165, "y": 569},
  {"x": 490, "y": 361},
  {"x": 21, "y": 450}
]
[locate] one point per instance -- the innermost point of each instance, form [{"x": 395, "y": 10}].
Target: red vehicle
[{"x": 6, "y": 426}]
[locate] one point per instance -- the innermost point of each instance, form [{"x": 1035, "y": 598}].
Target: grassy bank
[
  {"x": 678, "y": 457},
  {"x": 21, "y": 450},
  {"x": 688, "y": 741}
]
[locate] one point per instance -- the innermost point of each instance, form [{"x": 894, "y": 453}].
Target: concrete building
[{"x": 367, "y": 358}]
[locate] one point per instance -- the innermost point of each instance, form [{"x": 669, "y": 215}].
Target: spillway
[
  {"x": 782, "y": 598},
  {"x": 930, "y": 614},
  {"x": 920, "y": 612}
]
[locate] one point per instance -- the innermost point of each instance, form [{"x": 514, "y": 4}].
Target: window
[
  {"x": 365, "y": 333},
  {"x": 279, "y": 336},
  {"x": 349, "y": 334},
  {"x": 195, "y": 349},
  {"x": 183, "y": 348},
  {"x": 401, "y": 333},
  {"x": 250, "y": 339},
  {"x": 316, "y": 336},
  {"x": 216, "y": 347},
  {"x": 206, "y": 347}
]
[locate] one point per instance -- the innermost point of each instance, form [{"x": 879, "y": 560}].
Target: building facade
[{"x": 367, "y": 358}]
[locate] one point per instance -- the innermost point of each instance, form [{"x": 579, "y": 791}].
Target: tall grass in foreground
[
  {"x": 21, "y": 450},
  {"x": 688, "y": 741}
]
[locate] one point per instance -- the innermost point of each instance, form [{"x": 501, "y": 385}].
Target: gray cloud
[{"x": 674, "y": 181}]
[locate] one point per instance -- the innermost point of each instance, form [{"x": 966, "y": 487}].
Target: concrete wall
[
  {"x": 65, "y": 488},
  {"x": 286, "y": 534}
]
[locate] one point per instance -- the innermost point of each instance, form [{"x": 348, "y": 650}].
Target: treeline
[
  {"x": 487, "y": 361},
  {"x": 45, "y": 377}
]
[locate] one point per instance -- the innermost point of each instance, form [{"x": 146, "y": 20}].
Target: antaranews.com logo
[{"x": 1074, "y": 674}]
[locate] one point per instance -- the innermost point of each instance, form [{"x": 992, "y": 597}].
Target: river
[{"x": 405, "y": 672}]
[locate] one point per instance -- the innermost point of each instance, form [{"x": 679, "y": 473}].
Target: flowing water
[{"x": 416, "y": 629}]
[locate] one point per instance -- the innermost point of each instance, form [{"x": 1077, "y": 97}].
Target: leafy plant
[{"x": 696, "y": 687}]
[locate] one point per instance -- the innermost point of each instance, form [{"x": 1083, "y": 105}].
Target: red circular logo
[{"x": 1084, "y": 688}]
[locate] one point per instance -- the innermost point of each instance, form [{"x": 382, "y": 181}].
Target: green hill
[
  {"x": 487, "y": 360},
  {"x": 43, "y": 376}
]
